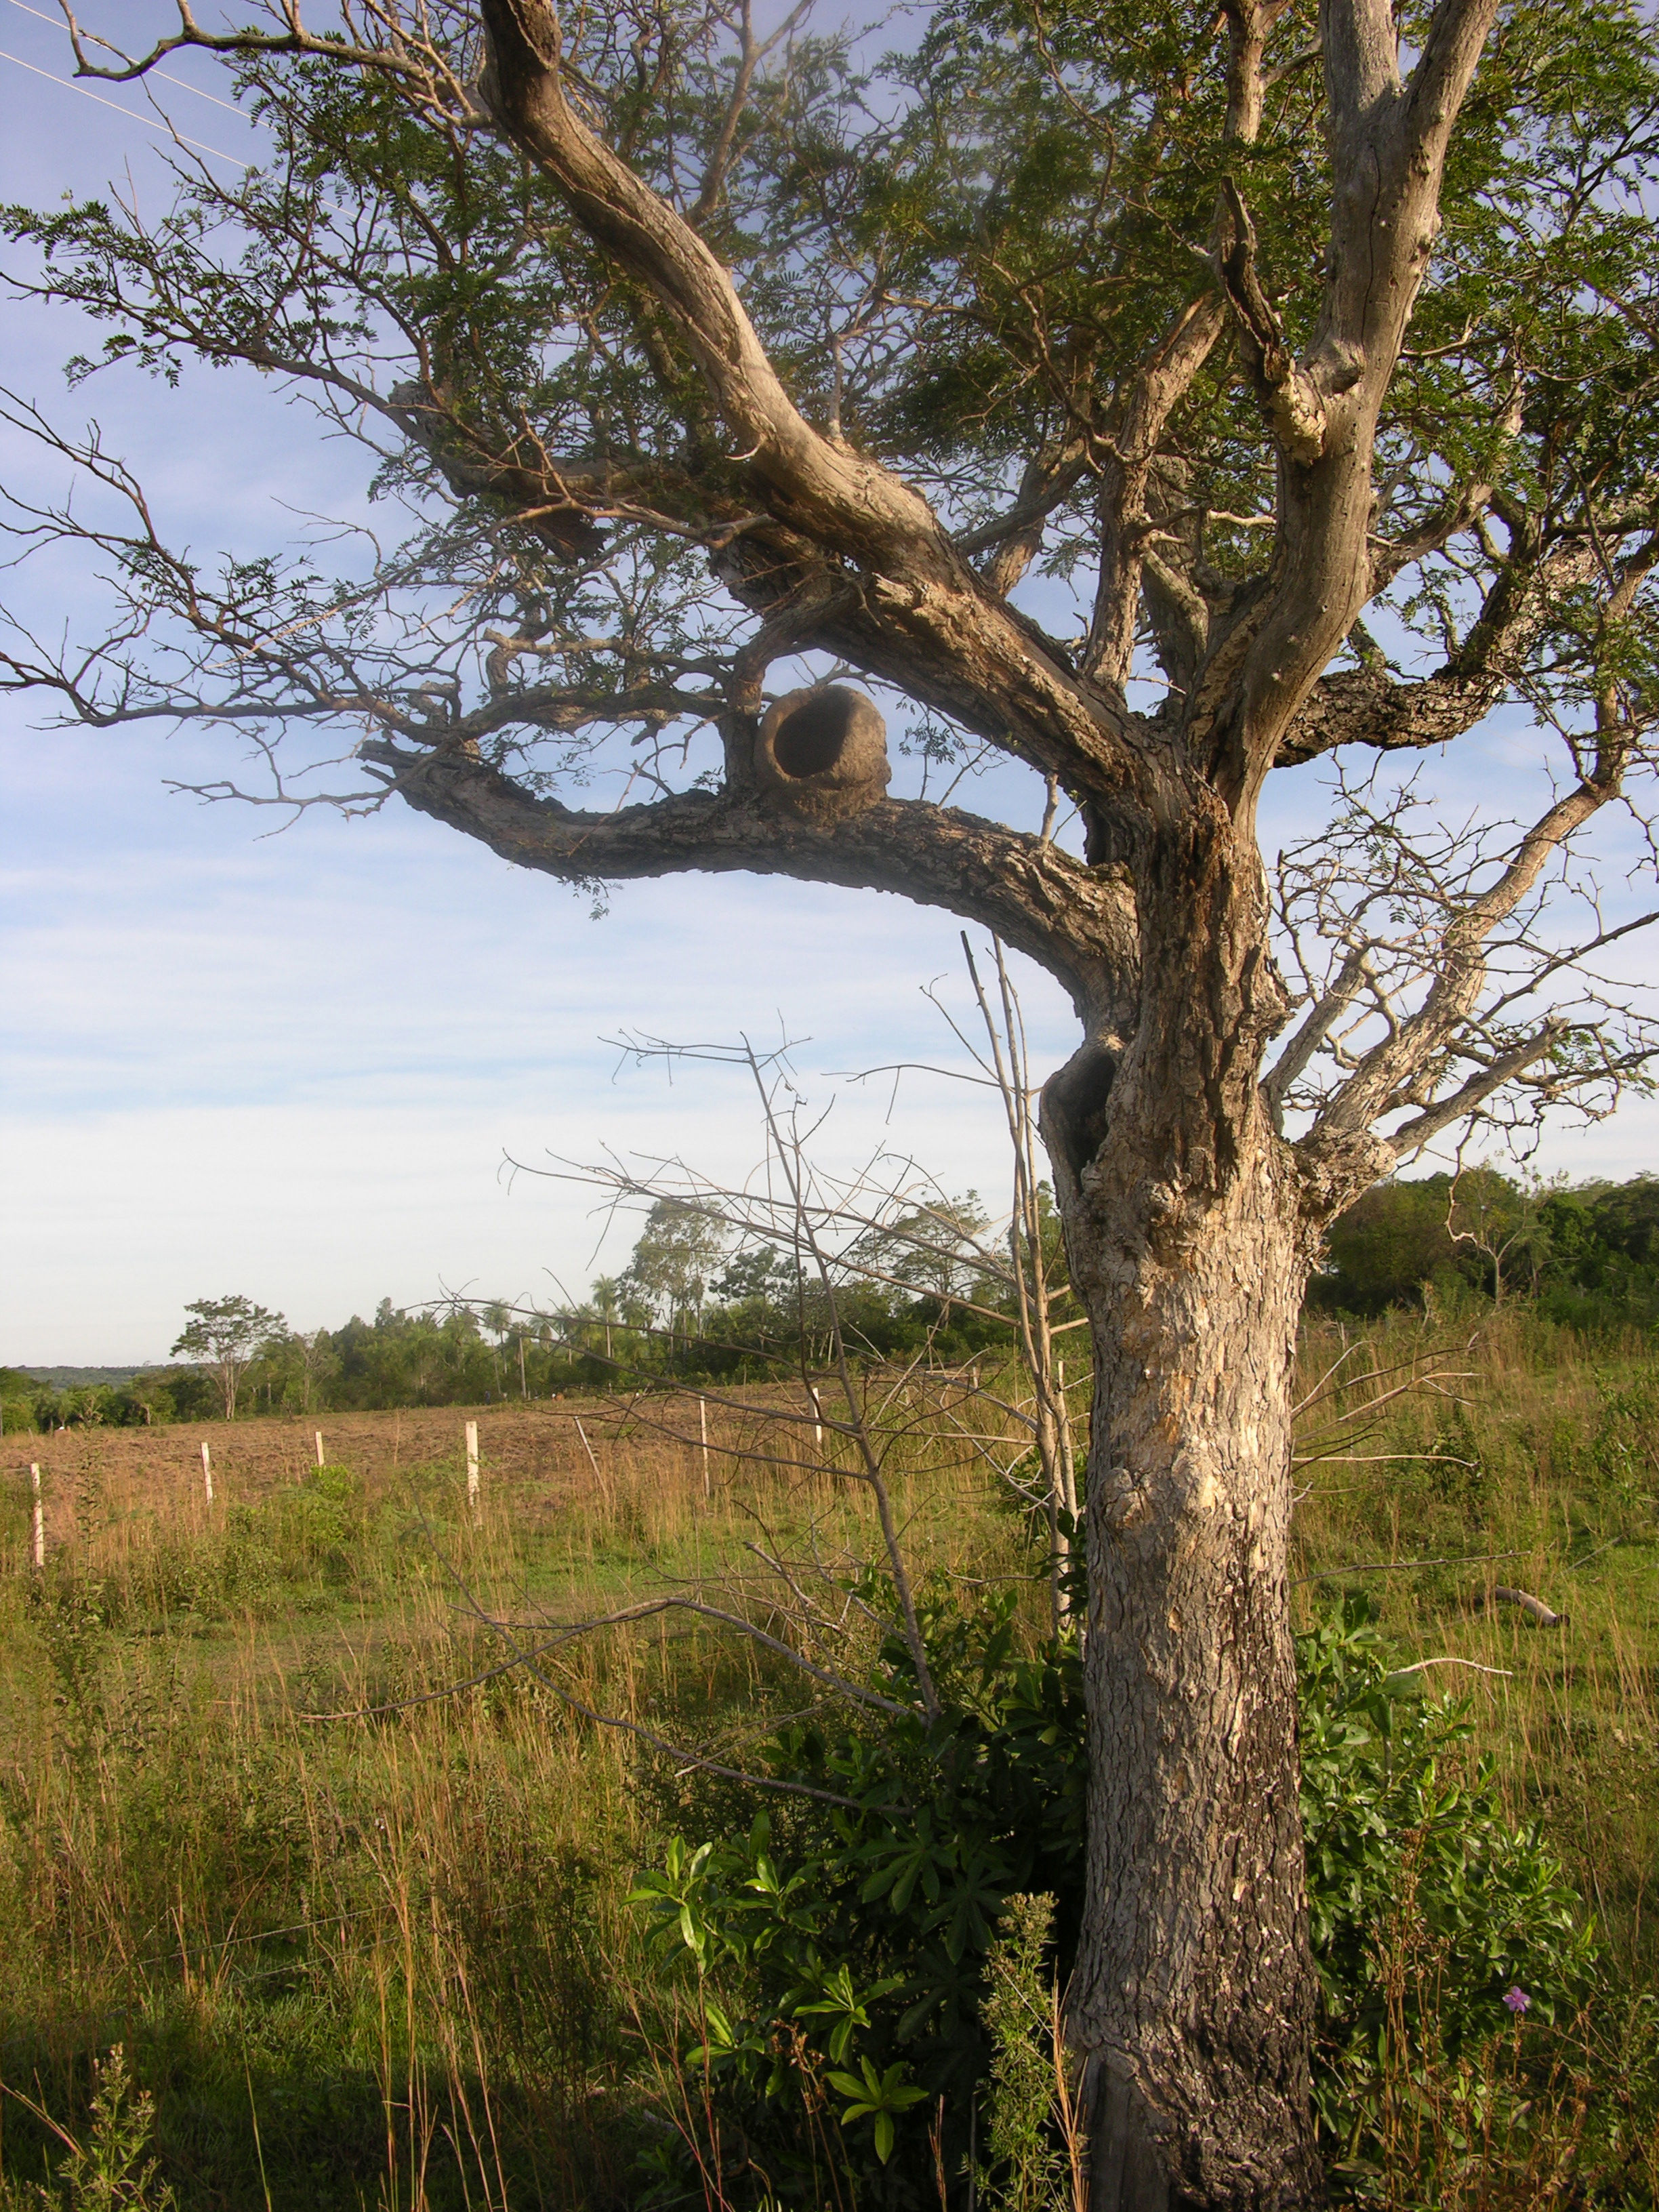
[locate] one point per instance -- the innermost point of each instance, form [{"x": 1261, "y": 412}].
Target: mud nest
[{"x": 822, "y": 753}]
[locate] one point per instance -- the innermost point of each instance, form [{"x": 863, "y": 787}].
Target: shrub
[
  {"x": 846, "y": 1954},
  {"x": 1427, "y": 1905},
  {"x": 111, "y": 2169},
  {"x": 842, "y": 1950}
]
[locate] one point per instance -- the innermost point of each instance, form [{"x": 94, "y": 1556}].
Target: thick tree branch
[
  {"x": 1458, "y": 1105},
  {"x": 1370, "y": 706},
  {"x": 1070, "y": 919},
  {"x": 1159, "y": 384},
  {"x": 841, "y": 499},
  {"x": 933, "y": 620},
  {"x": 1387, "y": 153},
  {"x": 1290, "y": 397}
]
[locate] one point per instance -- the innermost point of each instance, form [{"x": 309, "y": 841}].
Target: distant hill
[{"x": 82, "y": 1378}]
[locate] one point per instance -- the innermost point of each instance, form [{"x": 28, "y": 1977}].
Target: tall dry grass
[{"x": 385, "y": 1958}]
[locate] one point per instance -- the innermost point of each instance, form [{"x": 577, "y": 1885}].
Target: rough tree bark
[{"x": 1194, "y": 1993}]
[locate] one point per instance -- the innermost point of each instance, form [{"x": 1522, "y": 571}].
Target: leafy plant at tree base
[
  {"x": 1428, "y": 1904},
  {"x": 847, "y": 1945},
  {"x": 878, "y": 2097},
  {"x": 1030, "y": 2160},
  {"x": 882, "y": 1947}
]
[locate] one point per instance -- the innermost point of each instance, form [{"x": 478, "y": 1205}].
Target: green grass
[
  {"x": 1547, "y": 1461},
  {"x": 386, "y": 1959}
]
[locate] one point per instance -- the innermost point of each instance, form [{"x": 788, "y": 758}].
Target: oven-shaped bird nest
[{"x": 822, "y": 753}]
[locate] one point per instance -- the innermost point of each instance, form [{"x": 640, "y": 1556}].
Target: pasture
[{"x": 364, "y": 1943}]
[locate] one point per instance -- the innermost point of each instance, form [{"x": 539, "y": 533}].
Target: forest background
[{"x": 688, "y": 1306}]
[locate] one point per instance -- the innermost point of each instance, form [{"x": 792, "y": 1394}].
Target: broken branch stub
[
  {"x": 1534, "y": 1606},
  {"x": 822, "y": 753}
]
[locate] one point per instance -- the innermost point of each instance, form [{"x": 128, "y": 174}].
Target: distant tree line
[
  {"x": 689, "y": 1307},
  {"x": 168, "y": 1393},
  {"x": 1584, "y": 1253}
]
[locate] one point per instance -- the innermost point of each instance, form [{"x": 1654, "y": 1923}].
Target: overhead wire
[
  {"x": 166, "y": 129},
  {"x": 166, "y": 76}
]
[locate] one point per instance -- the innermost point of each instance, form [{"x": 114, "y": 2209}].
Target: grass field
[{"x": 386, "y": 1958}]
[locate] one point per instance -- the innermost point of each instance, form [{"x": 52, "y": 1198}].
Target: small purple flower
[{"x": 1517, "y": 2000}]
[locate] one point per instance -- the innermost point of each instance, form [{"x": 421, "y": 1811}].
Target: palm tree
[
  {"x": 606, "y": 1295},
  {"x": 497, "y": 1319}
]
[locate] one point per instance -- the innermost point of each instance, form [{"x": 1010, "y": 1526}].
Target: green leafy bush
[
  {"x": 839, "y": 1951},
  {"x": 1428, "y": 1906},
  {"x": 839, "y": 1957}
]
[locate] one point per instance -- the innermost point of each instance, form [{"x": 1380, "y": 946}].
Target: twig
[{"x": 1396, "y": 1566}]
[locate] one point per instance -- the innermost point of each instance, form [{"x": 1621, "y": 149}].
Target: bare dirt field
[{"x": 545, "y": 1453}]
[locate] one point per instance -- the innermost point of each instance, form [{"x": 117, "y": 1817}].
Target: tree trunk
[
  {"x": 1192, "y": 2001},
  {"x": 1193, "y": 1994}
]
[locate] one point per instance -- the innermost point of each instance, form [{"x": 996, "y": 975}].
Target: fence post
[
  {"x": 320, "y": 1448},
  {"x": 207, "y": 1473},
  {"x": 473, "y": 1465},
  {"x": 702, "y": 1431},
  {"x": 588, "y": 1449},
  {"x": 818, "y": 1418},
  {"x": 39, "y": 1519}
]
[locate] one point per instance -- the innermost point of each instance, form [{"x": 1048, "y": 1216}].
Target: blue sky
[{"x": 291, "y": 1066}]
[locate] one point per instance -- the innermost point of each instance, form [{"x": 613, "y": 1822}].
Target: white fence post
[
  {"x": 320, "y": 1448},
  {"x": 702, "y": 1431},
  {"x": 818, "y": 1418},
  {"x": 39, "y": 1519},
  {"x": 473, "y": 1465},
  {"x": 207, "y": 1473}
]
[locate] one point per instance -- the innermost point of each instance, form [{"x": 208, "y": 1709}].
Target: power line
[
  {"x": 57, "y": 22},
  {"x": 85, "y": 92}
]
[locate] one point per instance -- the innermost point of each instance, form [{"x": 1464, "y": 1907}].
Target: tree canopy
[{"x": 1043, "y": 297}]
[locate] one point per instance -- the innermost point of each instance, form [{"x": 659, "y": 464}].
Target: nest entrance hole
[{"x": 810, "y": 738}]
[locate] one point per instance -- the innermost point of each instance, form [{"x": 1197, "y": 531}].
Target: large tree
[
  {"x": 227, "y": 1335},
  {"x": 1080, "y": 374}
]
